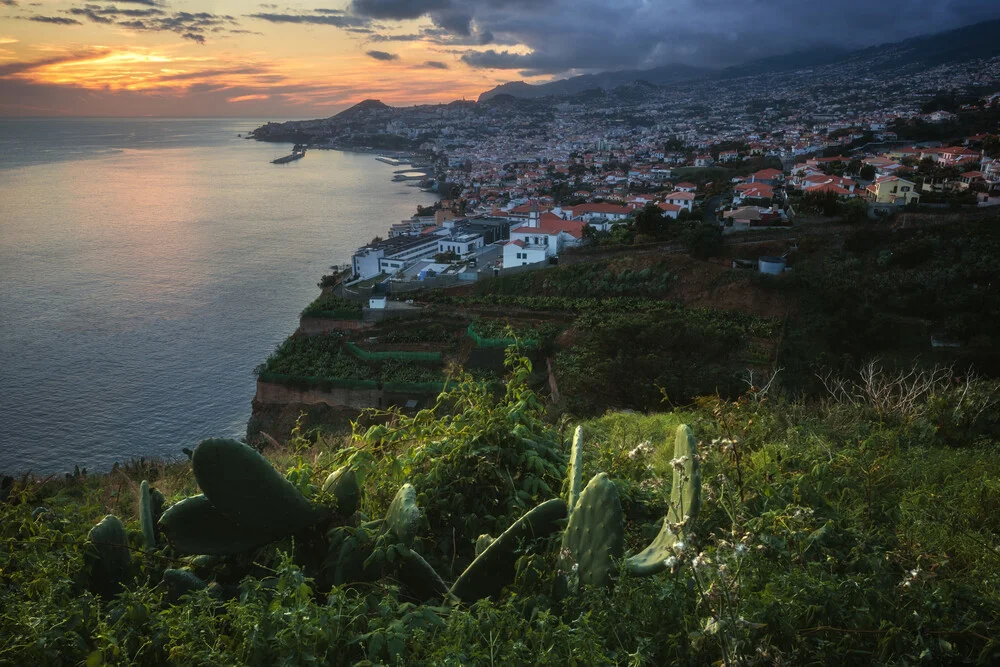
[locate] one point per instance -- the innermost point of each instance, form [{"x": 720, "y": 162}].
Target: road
[{"x": 710, "y": 206}]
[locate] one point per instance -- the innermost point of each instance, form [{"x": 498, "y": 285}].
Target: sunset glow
[{"x": 175, "y": 58}]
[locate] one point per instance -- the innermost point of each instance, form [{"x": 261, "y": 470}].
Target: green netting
[
  {"x": 502, "y": 343},
  {"x": 400, "y": 355},
  {"x": 312, "y": 382}
]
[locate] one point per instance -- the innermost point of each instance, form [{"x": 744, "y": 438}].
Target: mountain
[
  {"x": 659, "y": 76},
  {"x": 362, "y": 108},
  {"x": 963, "y": 44}
]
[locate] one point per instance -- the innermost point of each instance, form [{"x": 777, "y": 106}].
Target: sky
[{"x": 313, "y": 59}]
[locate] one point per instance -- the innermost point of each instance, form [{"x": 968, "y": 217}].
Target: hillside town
[{"x": 522, "y": 180}]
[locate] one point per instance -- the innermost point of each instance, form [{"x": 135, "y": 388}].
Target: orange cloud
[{"x": 248, "y": 98}]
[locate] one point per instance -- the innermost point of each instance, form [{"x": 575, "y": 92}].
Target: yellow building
[{"x": 892, "y": 190}]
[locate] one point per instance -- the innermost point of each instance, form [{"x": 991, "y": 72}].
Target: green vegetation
[
  {"x": 888, "y": 292},
  {"x": 638, "y": 359},
  {"x": 591, "y": 279},
  {"x": 329, "y": 306},
  {"x": 326, "y": 358},
  {"x": 843, "y": 530}
]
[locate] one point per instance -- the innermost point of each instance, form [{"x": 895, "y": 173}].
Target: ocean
[{"x": 147, "y": 266}]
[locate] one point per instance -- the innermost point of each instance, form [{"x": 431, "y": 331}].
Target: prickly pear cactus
[
  {"x": 685, "y": 501},
  {"x": 195, "y": 526},
  {"x": 495, "y": 567},
  {"x": 146, "y": 516},
  {"x": 402, "y": 521},
  {"x": 342, "y": 484},
  {"x": 575, "y": 470},
  {"x": 109, "y": 557},
  {"x": 420, "y": 579},
  {"x": 181, "y": 582},
  {"x": 594, "y": 539},
  {"x": 244, "y": 486}
]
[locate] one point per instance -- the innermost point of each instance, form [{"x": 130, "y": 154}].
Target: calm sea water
[{"x": 147, "y": 266}]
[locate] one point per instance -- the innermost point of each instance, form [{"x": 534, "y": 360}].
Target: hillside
[
  {"x": 846, "y": 527},
  {"x": 605, "y": 80},
  {"x": 969, "y": 43}
]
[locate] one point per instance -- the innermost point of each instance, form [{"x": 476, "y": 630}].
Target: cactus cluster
[{"x": 247, "y": 504}]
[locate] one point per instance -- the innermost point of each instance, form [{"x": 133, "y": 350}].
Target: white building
[
  {"x": 682, "y": 199},
  {"x": 542, "y": 236},
  {"x": 517, "y": 253},
  {"x": 461, "y": 244},
  {"x": 392, "y": 255}
]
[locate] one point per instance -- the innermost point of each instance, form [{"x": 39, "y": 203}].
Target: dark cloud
[
  {"x": 568, "y": 36},
  {"x": 55, "y": 20},
  {"x": 322, "y": 17},
  {"x": 8, "y": 3},
  {"x": 382, "y": 55},
  {"x": 436, "y": 64},
  {"x": 99, "y": 14},
  {"x": 192, "y": 26},
  {"x": 398, "y": 9}
]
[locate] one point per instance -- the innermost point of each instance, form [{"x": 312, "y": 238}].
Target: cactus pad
[
  {"x": 575, "y": 470},
  {"x": 342, "y": 484},
  {"x": 244, "y": 486},
  {"x": 420, "y": 579},
  {"x": 195, "y": 526},
  {"x": 595, "y": 535},
  {"x": 495, "y": 567},
  {"x": 685, "y": 501},
  {"x": 181, "y": 582},
  {"x": 146, "y": 516},
  {"x": 110, "y": 557},
  {"x": 402, "y": 521}
]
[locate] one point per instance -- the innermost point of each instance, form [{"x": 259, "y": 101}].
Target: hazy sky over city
[{"x": 228, "y": 58}]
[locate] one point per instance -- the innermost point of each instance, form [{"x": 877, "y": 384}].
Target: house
[
  {"x": 682, "y": 199},
  {"x": 670, "y": 210},
  {"x": 728, "y": 156},
  {"x": 685, "y": 187},
  {"x": 600, "y": 216},
  {"x": 704, "y": 161},
  {"x": 949, "y": 156},
  {"x": 816, "y": 182},
  {"x": 751, "y": 216},
  {"x": 518, "y": 253},
  {"x": 971, "y": 178},
  {"x": 752, "y": 191},
  {"x": 892, "y": 190},
  {"x": 767, "y": 176},
  {"x": 546, "y": 232}
]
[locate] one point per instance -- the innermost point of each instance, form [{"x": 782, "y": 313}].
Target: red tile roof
[{"x": 551, "y": 224}]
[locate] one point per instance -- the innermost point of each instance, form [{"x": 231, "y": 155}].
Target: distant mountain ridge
[
  {"x": 659, "y": 76},
  {"x": 971, "y": 42}
]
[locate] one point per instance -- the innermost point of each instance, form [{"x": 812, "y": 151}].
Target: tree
[
  {"x": 867, "y": 173},
  {"x": 703, "y": 239},
  {"x": 650, "y": 221},
  {"x": 854, "y": 210}
]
